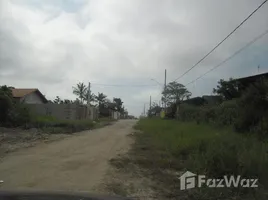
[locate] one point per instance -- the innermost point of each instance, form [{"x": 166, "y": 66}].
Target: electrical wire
[
  {"x": 232, "y": 56},
  {"x": 122, "y": 85},
  {"x": 222, "y": 40}
]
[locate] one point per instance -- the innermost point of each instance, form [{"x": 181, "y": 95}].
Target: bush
[
  {"x": 204, "y": 150},
  {"x": 253, "y": 107},
  {"x": 5, "y": 106},
  {"x": 67, "y": 126},
  {"x": 19, "y": 115},
  {"x": 227, "y": 113},
  {"x": 224, "y": 114}
]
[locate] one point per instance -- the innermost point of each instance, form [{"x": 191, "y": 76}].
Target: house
[
  {"x": 245, "y": 82},
  {"x": 28, "y": 96},
  {"x": 109, "y": 110},
  {"x": 195, "y": 101},
  {"x": 212, "y": 99},
  {"x": 206, "y": 99}
]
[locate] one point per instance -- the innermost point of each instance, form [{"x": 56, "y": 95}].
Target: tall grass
[
  {"x": 202, "y": 149},
  {"x": 53, "y": 125}
]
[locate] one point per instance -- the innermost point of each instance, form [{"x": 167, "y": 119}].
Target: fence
[{"x": 65, "y": 111}]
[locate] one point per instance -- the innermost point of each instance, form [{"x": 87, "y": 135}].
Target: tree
[
  {"x": 155, "y": 108},
  {"x": 5, "y": 102},
  {"x": 57, "y": 100},
  {"x": 101, "y": 98},
  {"x": 124, "y": 112},
  {"x": 5, "y": 90},
  {"x": 227, "y": 89},
  {"x": 81, "y": 91},
  {"x": 118, "y": 103},
  {"x": 67, "y": 101},
  {"x": 76, "y": 101},
  {"x": 92, "y": 97},
  {"x": 175, "y": 93}
]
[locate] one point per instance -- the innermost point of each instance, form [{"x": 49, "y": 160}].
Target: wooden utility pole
[
  {"x": 144, "y": 110},
  {"x": 165, "y": 88},
  {"x": 89, "y": 93},
  {"x": 150, "y": 106}
]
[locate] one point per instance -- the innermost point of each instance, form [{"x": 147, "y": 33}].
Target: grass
[
  {"x": 52, "y": 125},
  {"x": 164, "y": 149}
]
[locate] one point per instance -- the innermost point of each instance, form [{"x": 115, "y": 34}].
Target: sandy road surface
[{"x": 77, "y": 163}]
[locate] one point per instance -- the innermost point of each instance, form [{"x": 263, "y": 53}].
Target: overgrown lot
[{"x": 165, "y": 149}]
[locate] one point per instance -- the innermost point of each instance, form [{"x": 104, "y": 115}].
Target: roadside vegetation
[
  {"x": 165, "y": 149},
  {"x": 21, "y": 128},
  {"x": 216, "y": 140}
]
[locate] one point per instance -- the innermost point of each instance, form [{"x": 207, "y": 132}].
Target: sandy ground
[{"x": 77, "y": 163}]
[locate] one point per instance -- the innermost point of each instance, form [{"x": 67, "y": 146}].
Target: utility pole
[
  {"x": 258, "y": 69},
  {"x": 89, "y": 93},
  {"x": 150, "y": 106},
  {"x": 165, "y": 88},
  {"x": 144, "y": 110}
]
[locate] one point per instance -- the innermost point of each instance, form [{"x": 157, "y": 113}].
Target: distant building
[
  {"x": 28, "y": 96},
  {"x": 245, "y": 82},
  {"x": 206, "y": 99},
  {"x": 212, "y": 99},
  {"x": 109, "y": 110}
]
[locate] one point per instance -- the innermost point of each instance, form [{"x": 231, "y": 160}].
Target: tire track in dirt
[{"x": 77, "y": 163}]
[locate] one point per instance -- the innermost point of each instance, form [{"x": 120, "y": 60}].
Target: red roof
[
  {"x": 21, "y": 92},
  {"x": 17, "y": 92}
]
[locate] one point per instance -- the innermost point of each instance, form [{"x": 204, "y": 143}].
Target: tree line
[
  {"x": 175, "y": 93},
  {"x": 100, "y": 100}
]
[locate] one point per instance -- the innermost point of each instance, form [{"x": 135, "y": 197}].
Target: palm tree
[
  {"x": 92, "y": 97},
  {"x": 81, "y": 91},
  {"x": 118, "y": 103},
  {"x": 101, "y": 98}
]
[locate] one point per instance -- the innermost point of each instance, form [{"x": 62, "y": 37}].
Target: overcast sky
[{"x": 54, "y": 44}]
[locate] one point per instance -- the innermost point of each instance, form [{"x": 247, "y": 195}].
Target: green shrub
[
  {"x": 5, "y": 107},
  {"x": 227, "y": 113},
  {"x": 201, "y": 149},
  {"x": 67, "y": 126},
  {"x": 253, "y": 107},
  {"x": 188, "y": 112},
  {"x": 223, "y": 114},
  {"x": 19, "y": 115}
]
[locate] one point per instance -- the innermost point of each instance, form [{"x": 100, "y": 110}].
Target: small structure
[
  {"x": 70, "y": 111},
  {"x": 28, "y": 96},
  {"x": 109, "y": 110},
  {"x": 245, "y": 82}
]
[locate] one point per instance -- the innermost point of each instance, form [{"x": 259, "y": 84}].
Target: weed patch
[{"x": 166, "y": 148}]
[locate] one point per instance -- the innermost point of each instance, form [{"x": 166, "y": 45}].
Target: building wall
[
  {"x": 115, "y": 115},
  {"x": 64, "y": 111},
  {"x": 32, "y": 98}
]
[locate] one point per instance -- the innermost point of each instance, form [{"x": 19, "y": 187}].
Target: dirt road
[{"x": 77, "y": 163}]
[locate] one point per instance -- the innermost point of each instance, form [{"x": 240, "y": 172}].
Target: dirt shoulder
[
  {"x": 77, "y": 163},
  {"x": 14, "y": 139},
  {"x": 126, "y": 178}
]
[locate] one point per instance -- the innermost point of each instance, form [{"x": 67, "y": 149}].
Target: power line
[
  {"x": 230, "y": 57},
  {"x": 223, "y": 40},
  {"x": 121, "y": 85}
]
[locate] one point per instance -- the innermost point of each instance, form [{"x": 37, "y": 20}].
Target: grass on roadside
[
  {"x": 165, "y": 149},
  {"x": 52, "y": 125}
]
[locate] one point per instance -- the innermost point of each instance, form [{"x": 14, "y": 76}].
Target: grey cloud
[{"x": 128, "y": 42}]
